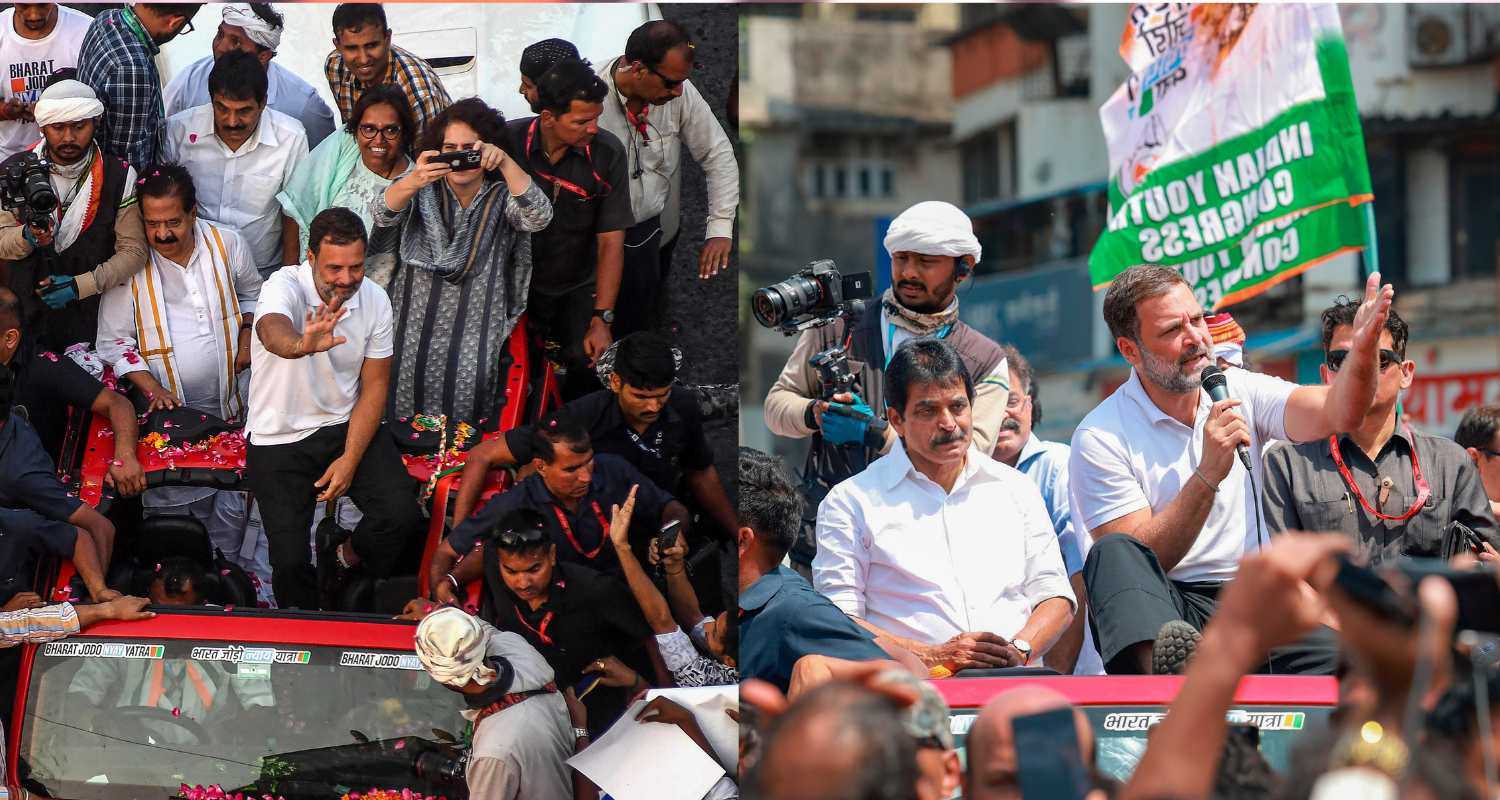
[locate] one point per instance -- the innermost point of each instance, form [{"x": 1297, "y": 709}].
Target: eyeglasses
[
  {"x": 1335, "y": 359},
  {"x": 1488, "y": 452},
  {"x": 669, "y": 83},
  {"x": 389, "y": 133},
  {"x": 185, "y": 29},
  {"x": 525, "y": 537}
]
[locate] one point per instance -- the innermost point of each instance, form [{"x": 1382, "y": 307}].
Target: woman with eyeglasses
[
  {"x": 460, "y": 225},
  {"x": 355, "y": 166}
]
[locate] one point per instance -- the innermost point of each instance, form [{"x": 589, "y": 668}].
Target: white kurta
[{"x": 190, "y": 301}]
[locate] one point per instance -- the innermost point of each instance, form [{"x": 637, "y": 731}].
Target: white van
[{"x": 475, "y": 47}]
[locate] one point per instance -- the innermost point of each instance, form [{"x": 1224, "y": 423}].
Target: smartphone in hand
[{"x": 1050, "y": 764}]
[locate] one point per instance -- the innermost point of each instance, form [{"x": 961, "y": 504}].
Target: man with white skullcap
[
  {"x": 523, "y": 734},
  {"x": 254, "y": 28},
  {"x": 933, "y": 249},
  {"x": 90, "y": 242}
]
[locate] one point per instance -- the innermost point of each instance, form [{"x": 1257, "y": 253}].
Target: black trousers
[
  {"x": 1131, "y": 597},
  {"x": 643, "y": 280},
  {"x": 563, "y": 320},
  {"x": 282, "y": 477}
]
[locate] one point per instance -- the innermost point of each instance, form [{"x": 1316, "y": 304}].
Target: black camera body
[
  {"x": 833, "y": 371},
  {"x": 459, "y": 160},
  {"x": 812, "y": 298},
  {"x": 26, "y": 189}
]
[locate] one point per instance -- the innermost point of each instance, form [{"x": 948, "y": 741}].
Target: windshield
[
  {"x": 122, "y": 719},
  {"x": 1120, "y": 731}
]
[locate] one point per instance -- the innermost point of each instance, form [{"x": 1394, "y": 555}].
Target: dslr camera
[
  {"x": 26, "y": 189},
  {"x": 812, "y": 298}
]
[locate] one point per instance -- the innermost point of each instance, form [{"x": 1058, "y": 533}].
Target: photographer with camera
[
  {"x": 71, "y": 227},
  {"x": 523, "y": 733},
  {"x": 933, "y": 249}
]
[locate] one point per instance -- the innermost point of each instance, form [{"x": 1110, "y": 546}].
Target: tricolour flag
[{"x": 1235, "y": 149}]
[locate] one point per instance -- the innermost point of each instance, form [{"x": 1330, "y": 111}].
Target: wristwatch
[
  {"x": 606, "y": 314},
  {"x": 1025, "y": 648}
]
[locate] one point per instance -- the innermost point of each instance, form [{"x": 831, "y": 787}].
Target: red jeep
[
  {"x": 1122, "y": 708},
  {"x": 288, "y": 703}
]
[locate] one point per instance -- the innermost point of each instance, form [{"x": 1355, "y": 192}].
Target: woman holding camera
[
  {"x": 461, "y": 235},
  {"x": 355, "y": 166}
]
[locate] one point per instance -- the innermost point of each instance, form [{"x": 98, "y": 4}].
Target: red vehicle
[
  {"x": 300, "y": 705},
  {"x": 290, "y": 703},
  {"x": 1121, "y": 709}
]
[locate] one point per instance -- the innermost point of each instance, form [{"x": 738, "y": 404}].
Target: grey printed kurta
[{"x": 461, "y": 279}]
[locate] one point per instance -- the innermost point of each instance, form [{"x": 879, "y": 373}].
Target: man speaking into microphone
[{"x": 1157, "y": 483}]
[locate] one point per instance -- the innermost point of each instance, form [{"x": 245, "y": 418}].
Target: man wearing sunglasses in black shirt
[
  {"x": 578, "y": 258},
  {"x": 1396, "y": 492},
  {"x": 577, "y": 618}
]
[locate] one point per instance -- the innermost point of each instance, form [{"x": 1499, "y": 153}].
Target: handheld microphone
[{"x": 1217, "y": 387}]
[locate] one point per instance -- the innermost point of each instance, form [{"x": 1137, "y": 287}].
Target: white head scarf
[
  {"x": 67, "y": 101},
  {"x": 452, "y": 645},
  {"x": 256, "y": 29},
  {"x": 933, "y": 228}
]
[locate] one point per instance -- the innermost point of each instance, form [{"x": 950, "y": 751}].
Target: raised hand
[
  {"x": 317, "y": 329},
  {"x": 619, "y": 523},
  {"x": 1370, "y": 319}
]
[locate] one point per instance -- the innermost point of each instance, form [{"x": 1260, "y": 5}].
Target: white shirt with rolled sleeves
[
  {"x": 238, "y": 188},
  {"x": 896, "y": 550},
  {"x": 1128, "y": 454},
  {"x": 655, "y": 164},
  {"x": 292, "y": 398}
]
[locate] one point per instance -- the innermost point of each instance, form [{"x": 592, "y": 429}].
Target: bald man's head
[
  {"x": 992, "y": 764},
  {"x": 838, "y": 742}
]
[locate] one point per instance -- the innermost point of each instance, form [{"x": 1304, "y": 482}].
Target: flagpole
[{"x": 1372, "y": 247}]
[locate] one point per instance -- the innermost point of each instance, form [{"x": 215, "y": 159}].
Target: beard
[{"x": 1168, "y": 375}]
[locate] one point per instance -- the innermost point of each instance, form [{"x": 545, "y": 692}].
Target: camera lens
[{"x": 791, "y": 298}]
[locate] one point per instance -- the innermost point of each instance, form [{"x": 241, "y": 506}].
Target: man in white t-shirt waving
[
  {"x": 319, "y": 376},
  {"x": 1157, "y": 483}
]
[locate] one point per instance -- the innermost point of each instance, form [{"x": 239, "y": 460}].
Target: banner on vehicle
[{"x": 1235, "y": 148}]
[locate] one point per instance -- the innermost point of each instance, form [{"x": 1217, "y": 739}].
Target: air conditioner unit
[{"x": 1437, "y": 35}]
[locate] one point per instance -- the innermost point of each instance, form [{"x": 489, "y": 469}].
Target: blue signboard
[
  {"x": 1047, "y": 314},
  {"x": 882, "y": 259}
]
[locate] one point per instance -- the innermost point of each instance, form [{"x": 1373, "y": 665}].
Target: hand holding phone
[
  {"x": 666, "y": 538},
  {"x": 459, "y": 160},
  {"x": 1049, "y": 762}
]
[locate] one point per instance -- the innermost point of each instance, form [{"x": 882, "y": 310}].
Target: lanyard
[
  {"x": 541, "y": 630},
  {"x": 509, "y": 700},
  {"x": 653, "y": 450},
  {"x": 890, "y": 338},
  {"x": 559, "y": 182},
  {"x": 562, "y": 519},
  {"x": 1423, "y": 490},
  {"x": 638, "y": 121}
]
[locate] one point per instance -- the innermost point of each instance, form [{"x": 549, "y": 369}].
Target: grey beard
[{"x": 1166, "y": 375}]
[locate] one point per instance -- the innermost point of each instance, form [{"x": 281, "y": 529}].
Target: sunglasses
[
  {"x": 390, "y": 132},
  {"x": 666, "y": 82},
  {"x": 526, "y": 537},
  {"x": 1335, "y": 359}
]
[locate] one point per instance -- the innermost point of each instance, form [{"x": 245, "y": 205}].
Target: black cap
[{"x": 537, "y": 58}]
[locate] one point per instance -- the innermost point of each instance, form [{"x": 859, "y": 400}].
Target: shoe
[
  {"x": 1174, "y": 647},
  {"x": 333, "y": 577}
]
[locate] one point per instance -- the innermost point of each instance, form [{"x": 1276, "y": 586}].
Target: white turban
[
  {"x": 933, "y": 228},
  {"x": 67, "y": 101},
  {"x": 452, "y": 645},
  {"x": 256, "y": 29}
]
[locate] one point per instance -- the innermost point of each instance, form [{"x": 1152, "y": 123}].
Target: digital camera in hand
[
  {"x": 459, "y": 160},
  {"x": 815, "y": 296},
  {"x": 26, "y": 189}
]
